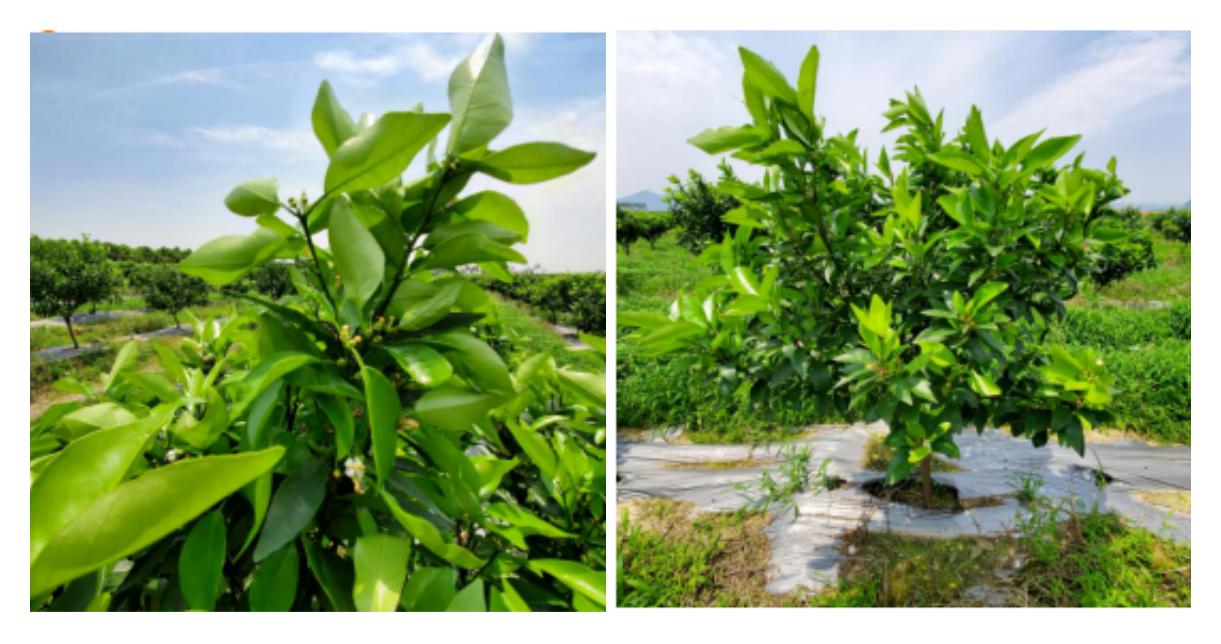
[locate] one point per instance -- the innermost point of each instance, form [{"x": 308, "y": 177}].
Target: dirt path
[{"x": 806, "y": 550}]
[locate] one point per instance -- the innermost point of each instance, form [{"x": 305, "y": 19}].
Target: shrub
[
  {"x": 357, "y": 446},
  {"x": 1122, "y": 328},
  {"x": 1174, "y": 224},
  {"x": 915, "y": 297},
  {"x": 578, "y": 299},
  {"x": 273, "y": 280},
  {"x": 698, "y": 208},
  {"x": 1121, "y": 257},
  {"x": 1154, "y": 383},
  {"x": 67, "y": 274}
]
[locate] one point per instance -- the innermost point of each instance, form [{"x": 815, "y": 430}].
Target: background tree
[
  {"x": 918, "y": 296},
  {"x": 67, "y": 274},
  {"x": 165, "y": 288},
  {"x": 273, "y": 280},
  {"x": 697, "y": 207},
  {"x": 634, "y": 225}
]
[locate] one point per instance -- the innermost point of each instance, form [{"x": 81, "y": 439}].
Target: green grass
[
  {"x": 670, "y": 556},
  {"x": 525, "y": 336},
  {"x": 648, "y": 279},
  {"x": 1170, "y": 280}
]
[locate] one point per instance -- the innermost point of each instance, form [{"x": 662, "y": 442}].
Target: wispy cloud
[
  {"x": 1120, "y": 73},
  {"x": 215, "y": 76},
  {"x": 248, "y": 138},
  {"x": 427, "y": 60}
]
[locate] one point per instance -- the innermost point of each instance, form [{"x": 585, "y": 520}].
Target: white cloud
[
  {"x": 256, "y": 135},
  {"x": 426, "y": 60},
  {"x": 1121, "y": 72},
  {"x": 206, "y": 76}
]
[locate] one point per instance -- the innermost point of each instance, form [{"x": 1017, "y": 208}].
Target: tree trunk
[
  {"x": 71, "y": 332},
  {"x": 177, "y": 324},
  {"x": 926, "y": 480}
]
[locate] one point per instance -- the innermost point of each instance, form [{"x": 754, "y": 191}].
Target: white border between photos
[{"x": 712, "y": 625}]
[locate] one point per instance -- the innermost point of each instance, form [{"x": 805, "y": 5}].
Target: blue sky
[
  {"x": 1127, "y": 93},
  {"x": 137, "y": 138}
]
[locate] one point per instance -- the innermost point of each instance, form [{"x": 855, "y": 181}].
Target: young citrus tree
[
  {"x": 66, "y": 274},
  {"x": 916, "y": 292},
  {"x": 386, "y": 456},
  {"x": 165, "y": 288}
]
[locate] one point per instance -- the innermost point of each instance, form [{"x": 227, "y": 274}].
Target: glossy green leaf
[
  {"x": 526, "y": 522},
  {"x": 84, "y": 472},
  {"x": 274, "y": 585},
  {"x": 807, "y": 83},
  {"x": 141, "y": 511},
  {"x": 956, "y": 160},
  {"x": 333, "y": 574},
  {"x": 1047, "y": 152},
  {"x": 763, "y": 75},
  {"x": 470, "y": 248},
  {"x": 455, "y": 408},
  {"x": 358, "y": 257},
  {"x": 332, "y": 124},
  {"x": 339, "y": 413},
  {"x": 578, "y": 577},
  {"x": 589, "y": 388},
  {"x": 533, "y": 162},
  {"x": 381, "y": 568},
  {"x": 496, "y": 208},
  {"x": 424, "y": 364},
  {"x": 382, "y": 152},
  {"x": 429, "y": 590},
  {"x": 384, "y": 409},
  {"x": 474, "y": 359},
  {"x": 722, "y": 139},
  {"x": 418, "y": 305},
  {"x": 201, "y": 561},
  {"x": 469, "y": 599},
  {"x": 94, "y": 417},
  {"x": 976, "y": 135},
  {"x": 430, "y": 537},
  {"x": 292, "y": 508},
  {"x": 225, "y": 260},
  {"x": 479, "y": 98},
  {"x": 254, "y": 198},
  {"x": 506, "y": 599}
]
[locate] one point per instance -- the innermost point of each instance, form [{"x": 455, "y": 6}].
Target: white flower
[
  {"x": 172, "y": 455},
  {"x": 354, "y": 468}
]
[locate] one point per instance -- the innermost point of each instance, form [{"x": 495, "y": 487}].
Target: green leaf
[
  {"x": 141, "y": 511},
  {"x": 807, "y": 83},
  {"x": 339, "y": 413},
  {"x": 589, "y": 388},
  {"x": 976, "y": 135},
  {"x": 332, "y": 124},
  {"x": 292, "y": 508},
  {"x": 983, "y": 385},
  {"x": 423, "y": 363},
  {"x": 958, "y": 160},
  {"x": 384, "y": 410},
  {"x": 1047, "y": 152},
  {"x": 533, "y": 162},
  {"x": 763, "y": 75},
  {"x": 380, "y": 561},
  {"x": 469, "y": 599},
  {"x": 225, "y": 260},
  {"x": 274, "y": 585},
  {"x": 721, "y": 139},
  {"x": 506, "y": 600},
  {"x": 358, "y": 256},
  {"x": 254, "y": 198},
  {"x": 429, "y": 590},
  {"x": 578, "y": 577},
  {"x": 201, "y": 561},
  {"x": 94, "y": 417},
  {"x": 469, "y": 248},
  {"x": 455, "y": 408},
  {"x": 526, "y": 522},
  {"x": 535, "y": 447},
  {"x": 334, "y": 575},
  {"x": 418, "y": 304},
  {"x": 479, "y": 98},
  {"x": 82, "y": 473},
  {"x": 496, "y": 208},
  {"x": 382, "y": 152},
  {"x": 430, "y": 537},
  {"x": 474, "y": 360}
]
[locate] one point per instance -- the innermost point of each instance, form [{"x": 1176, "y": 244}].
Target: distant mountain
[{"x": 643, "y": 200}]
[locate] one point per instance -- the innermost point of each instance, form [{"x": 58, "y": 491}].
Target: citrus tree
[
  {"x": 66, "y": 274},
  {"x": 165, "y": 288},
  {"x": 914, "y": 288},
  {"x": 357, "y": 445}
]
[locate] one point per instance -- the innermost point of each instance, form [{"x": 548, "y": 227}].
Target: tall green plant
[
  {"x": 386, "y": 455},
  {"x": 165, "y": 288},
  {"x": 916, "y": 292}
]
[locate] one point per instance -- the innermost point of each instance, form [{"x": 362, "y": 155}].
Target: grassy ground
[
  {"x": 44, "y": 337},
  {"x": 670, "y": 556},
  {"x": 528, "y": 335}
]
